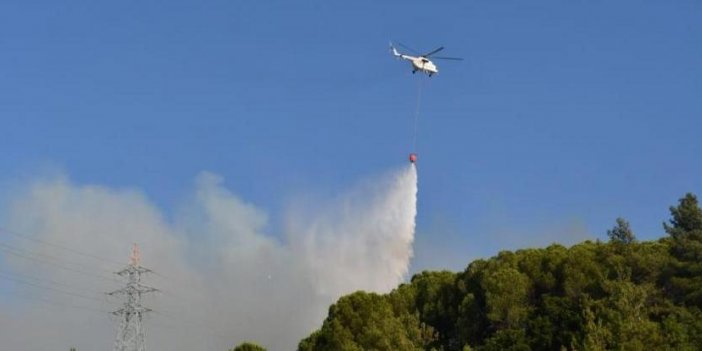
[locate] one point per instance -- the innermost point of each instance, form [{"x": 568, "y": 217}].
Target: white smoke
[{"x": 224, "y": 279}]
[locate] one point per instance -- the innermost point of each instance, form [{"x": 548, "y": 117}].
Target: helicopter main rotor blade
[
  {"x": 447, "y": 58},
  {"x": 433, "y": 52},
  {"x": 408, "y": 48}
]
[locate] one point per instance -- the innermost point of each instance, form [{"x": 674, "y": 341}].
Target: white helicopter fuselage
[
  {"x": 419, "y": 63},
  {"x": 422, "y": 64}
]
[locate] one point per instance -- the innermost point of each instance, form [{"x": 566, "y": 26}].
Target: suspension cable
[{"x": 420, "y": 83}]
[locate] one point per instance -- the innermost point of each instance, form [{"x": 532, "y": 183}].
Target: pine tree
[
  {"x": 621, "y": 233},
  {"x": 685, "y": 229}
]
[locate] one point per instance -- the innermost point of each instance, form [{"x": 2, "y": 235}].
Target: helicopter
[{"x": 422, "y": 62}]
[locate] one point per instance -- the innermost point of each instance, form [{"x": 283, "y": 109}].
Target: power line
[
  {"x": 65, "y": 248},
  {"x": 63, "y": 264},
  {"x": 164, "y": 316},
  {"x": 59, "y": 309},
  {"x": 42, "y": 280},
  {"x": 51, "y": 285},
  {"x": 26, "y": 253},
  {"x": 48, "y": 257},
  {"x": 48, "y": 260},
  {"x": 58, "y": 263},
  {"x": 58, "y": 246},
  {"x": 66, "y": 292},
  {"x": 60, "y": 304}
]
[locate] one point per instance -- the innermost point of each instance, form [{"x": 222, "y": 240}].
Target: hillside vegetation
[{"x": 619, "y": 295}]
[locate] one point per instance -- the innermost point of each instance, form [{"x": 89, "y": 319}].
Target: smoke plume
[{"x": 223, "y": 278}]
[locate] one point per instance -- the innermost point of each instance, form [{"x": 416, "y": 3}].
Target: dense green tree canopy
[
  {"x": 620, "y": 295},
  {"x": 248, "y": 346},
  {"x": 365, "y": 321}
]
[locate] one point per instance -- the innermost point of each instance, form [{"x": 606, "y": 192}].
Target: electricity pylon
[{"x": 130, "y": 335}]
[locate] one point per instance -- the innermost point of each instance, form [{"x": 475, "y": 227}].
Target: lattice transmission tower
[{"x": 130, "y": 335}]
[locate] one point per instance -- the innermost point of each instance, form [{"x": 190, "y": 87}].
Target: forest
[{"x": 623, "y": 294}]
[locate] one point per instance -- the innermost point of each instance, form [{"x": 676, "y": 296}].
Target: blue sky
[{"x": 563, "y": 116}]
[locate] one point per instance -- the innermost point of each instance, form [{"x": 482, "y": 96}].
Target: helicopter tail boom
[{"x": 394, "y": 51}]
